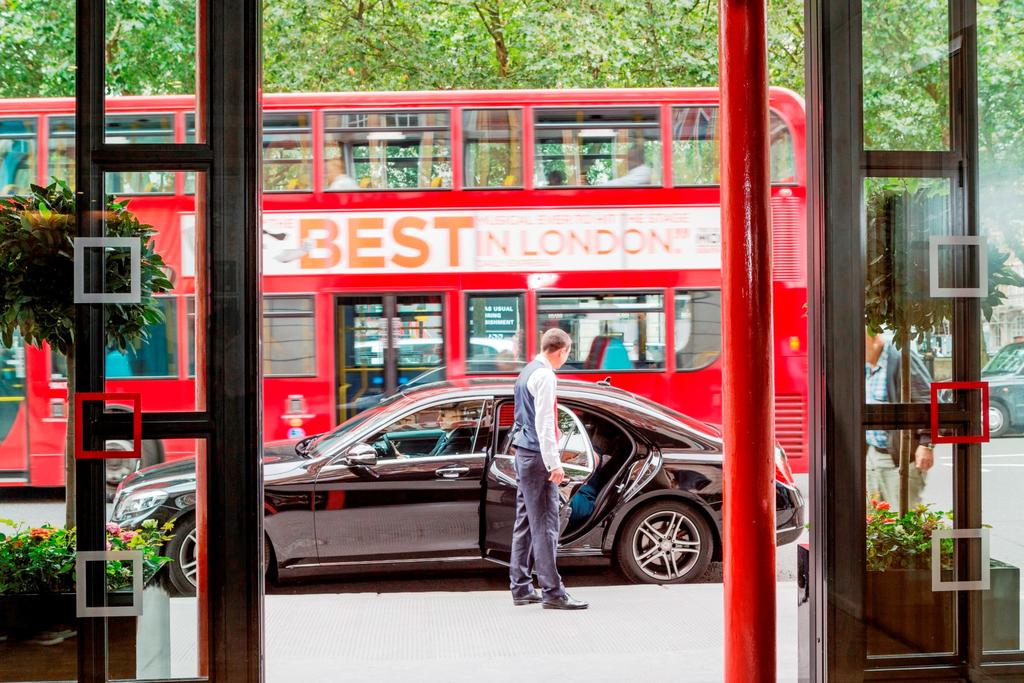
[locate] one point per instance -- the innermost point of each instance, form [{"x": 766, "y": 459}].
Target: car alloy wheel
[
  {"x": 187, "y": 559},
  {"x": 998, "y": 420},
  {"x": 184, "y": 565},
  {"x": 666, "y": 541}
]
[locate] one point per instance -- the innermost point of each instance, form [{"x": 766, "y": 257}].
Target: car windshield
[{"x": 1009, "y": 360}]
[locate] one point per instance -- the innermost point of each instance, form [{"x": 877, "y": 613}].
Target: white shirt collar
[{"x": 544, "y": 359}]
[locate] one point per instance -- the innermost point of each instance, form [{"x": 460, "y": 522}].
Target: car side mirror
[{"x": 362, "y": 454}]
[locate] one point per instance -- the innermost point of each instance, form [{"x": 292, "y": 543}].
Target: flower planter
[
  {"x": 24, "y": 615},
  {"x": 904, "y": 616}
]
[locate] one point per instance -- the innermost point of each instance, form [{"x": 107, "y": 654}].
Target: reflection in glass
[
  {"x": 698, "y": 331},
  {"x": 906, "y": 49},
  {"x": 695, "y": 147},
  {"x": 288, "y": 336},
  {"x": 492, "y": 146},
  {"x": 496, "y": 341},
  {"x": 18, "y": 155}
]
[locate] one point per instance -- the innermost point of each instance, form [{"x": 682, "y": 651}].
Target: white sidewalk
[{"x": 646, "y": 633}]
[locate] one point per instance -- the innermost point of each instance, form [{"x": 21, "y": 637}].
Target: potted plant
[
  {"x": 902, "y": 613},
  {"x": 37, "y": 599},
  {"x": 37, "y": 234}
]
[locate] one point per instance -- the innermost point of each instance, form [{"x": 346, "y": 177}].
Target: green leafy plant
[
  {"x": 905, "y": 541},
  {"x": 42, "y": 559},
  {"x": 37, "y": 234}
]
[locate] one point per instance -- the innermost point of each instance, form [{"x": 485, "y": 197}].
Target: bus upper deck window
[
  {"x": 492, "y": 147},
  {"x": 287, "y": 151},
  {"x": 597, "y": 147},
  {"x": 695, "y": 147},
  {"x": 387, "y": 150},
  {"x": 18, "y": 155},
  {"x": 135, "y": 129}
]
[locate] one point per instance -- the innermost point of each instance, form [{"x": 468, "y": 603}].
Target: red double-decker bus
[{"x": 417, "y": 236}]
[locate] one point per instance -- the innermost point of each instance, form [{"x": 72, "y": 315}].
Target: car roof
[{"x": 566, "y": 387}]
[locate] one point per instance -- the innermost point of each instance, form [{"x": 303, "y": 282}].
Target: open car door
[{"x": 499, "y": 504}]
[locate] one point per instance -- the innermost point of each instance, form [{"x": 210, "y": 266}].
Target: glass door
[{"x": 384, "y": 343}]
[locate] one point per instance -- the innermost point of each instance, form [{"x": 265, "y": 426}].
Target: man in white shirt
[{"x": 539, "y": 472}]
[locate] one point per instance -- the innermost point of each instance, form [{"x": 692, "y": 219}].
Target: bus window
[
  {"x": 496, "y": 341},
  {"x": 387, "y": 150},
  {"x": 154, "y": 357},
  {"x": 17, "y": 155},
  {"x": 287, "y": 152},
  {"x": 695, "y": 147},
  {"x": 616, "y": 331},
  {"x": 698, "y": 328},
  {"x": 288, "y": 336},
  {"x": 492, "y": 147},
  {"x": 597, "y": 147},
  {"x": 124, "y": 129}
]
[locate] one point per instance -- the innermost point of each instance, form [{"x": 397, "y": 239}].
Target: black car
[
  {"x": 427, "y": 477},
  {"x": 1005, "y": 377}
]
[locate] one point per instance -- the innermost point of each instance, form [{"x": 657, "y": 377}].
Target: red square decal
[
  {"x": 134, "y": 400},
  {"x": 959, "y": 438}
]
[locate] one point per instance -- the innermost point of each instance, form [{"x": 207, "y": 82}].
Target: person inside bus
[
  {"x": 555, "y": 177},
  {"x": 337, "y": 178},
  {"x": 639, "y": 172}
]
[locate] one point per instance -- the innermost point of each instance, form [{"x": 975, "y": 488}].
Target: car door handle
[{"x": 452, "y": 471}]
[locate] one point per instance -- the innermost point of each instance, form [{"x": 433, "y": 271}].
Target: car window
[
  {"x": 438, "y": 430},
  {"x": 577, "y": 453}
]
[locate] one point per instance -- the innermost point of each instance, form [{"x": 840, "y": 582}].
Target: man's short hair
[{"x": 554, "y": 340}]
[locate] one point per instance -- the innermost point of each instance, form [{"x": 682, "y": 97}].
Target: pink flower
[
  {"x": 108, "y": 545},
  {"x": 113, "y": 528},
  {"x": 127, "y": 535}
]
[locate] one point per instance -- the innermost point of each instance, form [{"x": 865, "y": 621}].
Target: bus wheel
[
  {"x": 665, "y": 541},
  {"x": 184, "y": 564}
]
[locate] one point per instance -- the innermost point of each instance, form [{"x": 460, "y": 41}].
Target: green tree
[{"x": 36, "y": 284}]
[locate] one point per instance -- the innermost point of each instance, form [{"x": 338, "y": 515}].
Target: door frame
[{"x": 228, "y": 418}]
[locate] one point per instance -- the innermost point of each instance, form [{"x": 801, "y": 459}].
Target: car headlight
[{"x": 138, "y": 504}]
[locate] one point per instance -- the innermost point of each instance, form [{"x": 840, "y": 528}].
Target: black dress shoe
[
  {"x": 564, "y": 602},
  {"x": 531, "y": 599}
]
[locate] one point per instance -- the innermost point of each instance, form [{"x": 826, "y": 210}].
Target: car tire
[
  {"x": 665, "y": 541},
  {"x": 998, "y": 420},
  {"x": 181, "y": 570}
]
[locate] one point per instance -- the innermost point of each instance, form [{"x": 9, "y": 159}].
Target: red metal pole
[{"x": 749, "y": 493}]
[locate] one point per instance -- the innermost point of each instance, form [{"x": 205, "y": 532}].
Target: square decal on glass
[
  {"x": 938, "y": 584},
  {"x": 938, "y": 387},
  {"x": 134, "y": 247},
  {"x": 977, "y": 241},
  {"x": 133, "y": 400},
  {"x": 82, "y": 560}
]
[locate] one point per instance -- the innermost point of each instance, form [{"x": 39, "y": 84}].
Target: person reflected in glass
[
  {"x": 883, "y": 383},
  {"x": 555, "y": 178}
]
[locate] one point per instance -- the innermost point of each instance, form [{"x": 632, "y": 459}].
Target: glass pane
[
  {"x": 150, "y": 50},
  {"x": 913, "y": 328},
  {"x": 1001, "y": 216},
  {"x": 154, "y": 356},
  {"x": 609, "y": 332},
  {"x": 18, "y": 155},
  {"x": 361, "y": 338},
  {"x": 287, "y": 152},
  {"x": 695, "y": 147},
  {"x": 387, "y": 150},
  {"x": 906, "y": 49},
  {"x": 698, "y": 328},
  {"x": 418, "y": 336},
  {"x": 492, "y": 146},
  {"x": 440, "y": 430},
  {"x": 496, "y": 341},
  {"x": 902, "y": 612},
  {"x": 288, "y": 336},
  {"x": 606, "y": 147}
]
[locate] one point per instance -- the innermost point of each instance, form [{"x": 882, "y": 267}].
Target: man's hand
[
  {"x": 557, "y": 475},
  {"x": 924, "y": 458}
]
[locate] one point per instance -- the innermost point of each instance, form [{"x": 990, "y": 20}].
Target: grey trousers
[
  {"x": 883, "y": 479},
  {"x": 535, "y": 534}
]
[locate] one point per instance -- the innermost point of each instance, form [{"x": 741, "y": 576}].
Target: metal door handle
[{"x": 451, "y": 471}]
